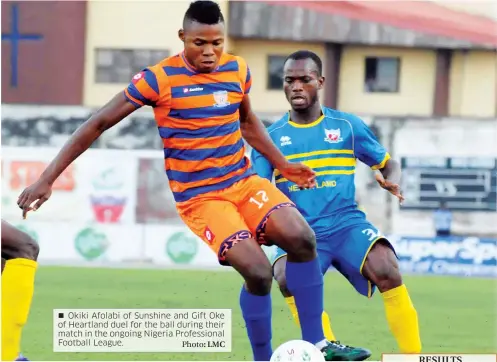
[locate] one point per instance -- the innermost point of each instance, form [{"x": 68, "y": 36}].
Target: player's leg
[
  {"x": 220, "y": 225},
  {"x": 368, "y": 260},
  {"x": 272, "y": 217},
  {"x": 336, "y": 350},
  {"x": 251, "y": 262},
  {"x": 279, "y": 273},
  {"x": 382, "y": 269},
  {"x": 21, "y": 253},
  {"x": 288, "y": 229}
]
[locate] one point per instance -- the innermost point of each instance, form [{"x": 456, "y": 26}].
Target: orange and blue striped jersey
[{"x": 198, "y": 119}]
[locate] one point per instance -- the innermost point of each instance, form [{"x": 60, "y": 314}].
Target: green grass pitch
[{"x": 456, "y": 315}]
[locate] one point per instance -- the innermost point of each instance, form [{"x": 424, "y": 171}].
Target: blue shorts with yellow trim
[{"x": 346, "y": 250}]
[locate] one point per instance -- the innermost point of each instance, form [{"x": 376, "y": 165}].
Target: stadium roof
[{"x": 419, "y": 16}]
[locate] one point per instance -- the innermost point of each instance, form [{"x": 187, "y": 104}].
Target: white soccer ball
[{"x": 297, "y": 350}]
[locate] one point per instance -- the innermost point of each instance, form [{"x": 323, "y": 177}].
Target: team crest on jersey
[
  {"x": 333, "y": 135},
  {"x": 221, "y": 99}
]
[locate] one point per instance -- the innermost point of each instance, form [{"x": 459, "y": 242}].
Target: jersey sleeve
[
  {"x": 248, "y": 81},
  {"x": 143, "y": 90},
  {"x": 367, "y": 148},
  {"x": 246, "y": 77},
  {"x": 261, "y": 165}
]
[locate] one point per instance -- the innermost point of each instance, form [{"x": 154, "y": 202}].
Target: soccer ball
[{"x": 297, "y": 350}]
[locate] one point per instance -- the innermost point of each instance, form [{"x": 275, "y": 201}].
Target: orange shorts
[{"x": 225, "y": 217}]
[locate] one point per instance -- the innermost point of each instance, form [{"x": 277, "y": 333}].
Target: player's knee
[
  {"x": 382, "y": 267},
  {"x": 301, "y": 243},
  {"x": 388, "y": 278},
  {"x": 288, "y": 229},
  {"x": 259, "y": 278},
  {"x": 28, "y": 248}
]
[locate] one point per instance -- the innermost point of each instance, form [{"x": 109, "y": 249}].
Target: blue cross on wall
[{"x": 15, "y": 37}]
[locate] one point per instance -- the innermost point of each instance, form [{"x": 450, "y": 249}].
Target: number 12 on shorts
[{"x": 260, "y": 199}]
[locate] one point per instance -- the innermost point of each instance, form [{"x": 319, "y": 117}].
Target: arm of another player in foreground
[
  {"x": 254, "y": 132},
  {"x": 369, "y": 151},
  {"x": 261, "y": 165},
  {"x": 137, "y": 94}
]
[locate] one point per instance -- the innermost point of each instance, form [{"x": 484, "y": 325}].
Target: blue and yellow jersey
[
  {"x": 197, "y": 115},
  {"x": 330, "y": 146}
]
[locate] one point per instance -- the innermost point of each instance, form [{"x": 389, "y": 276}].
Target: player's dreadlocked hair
[
  {"x": 306, "y": 54},
  {"x": 204, "y": 12}
]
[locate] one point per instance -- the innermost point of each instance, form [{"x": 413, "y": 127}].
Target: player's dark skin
[
  {"x": 302, "y": 83},
  {"x": 203, "y": 46},
  {"x": 17, "y": 244}
]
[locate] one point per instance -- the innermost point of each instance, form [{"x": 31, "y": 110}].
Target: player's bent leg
[
  {"x": 251, "y": 262},
  {"x": 279, "y": 273},
  {"x": 304, "y": 277},
  {"x": 288, "y": 229},
  {"x": 382, "y": 269},
  {"x": 220, "y": 225},
  {"x": 20, "y": 252},
  {"x": 274, "y": 219}
]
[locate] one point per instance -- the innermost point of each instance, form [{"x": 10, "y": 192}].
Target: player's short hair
[
  {"x": 203, "y": 12},
  {"x": 307, "y": 54}
]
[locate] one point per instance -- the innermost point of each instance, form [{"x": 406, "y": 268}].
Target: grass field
[{"x": 456, "y": 315}]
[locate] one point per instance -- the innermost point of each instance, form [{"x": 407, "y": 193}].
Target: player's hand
[
  {"x": 300, "y": 174},
  {"x": 40, "y": 192},
  {"x": 394, "y": 189}
]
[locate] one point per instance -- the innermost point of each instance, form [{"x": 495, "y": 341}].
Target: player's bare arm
[
  {"x": 256, "y": 135},
  {"x": 390, "y": 178},
  {"x": 108, "y": 116}
]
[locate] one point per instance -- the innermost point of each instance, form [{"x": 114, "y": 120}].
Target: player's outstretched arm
[
  {"x": 254, "y": 132},
  {"x": 370, "y": 151},
  {"x": 108, "y": 116},
  {"x": 392, "y": 171},
  {"x": 390, "y": 178}
]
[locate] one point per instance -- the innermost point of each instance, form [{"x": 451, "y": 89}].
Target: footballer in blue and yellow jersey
[
  {"x": 331, "y": 146},
  {"x": 331, "y": 142}
]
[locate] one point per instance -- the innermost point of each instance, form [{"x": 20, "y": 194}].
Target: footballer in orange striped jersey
[{"x": 201, "y": 104}]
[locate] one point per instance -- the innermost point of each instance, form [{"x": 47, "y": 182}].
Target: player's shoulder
[
  {"x": 232, "y": 58},
  {"x": 231, "y": 62},
  {"x": 171, "y": 61},
  {"x": 279, "y": 126},
  {"x": 353, "y": 119},
  {"x": 337, "y": 114},
  {"x": 154, "y": 71}
]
